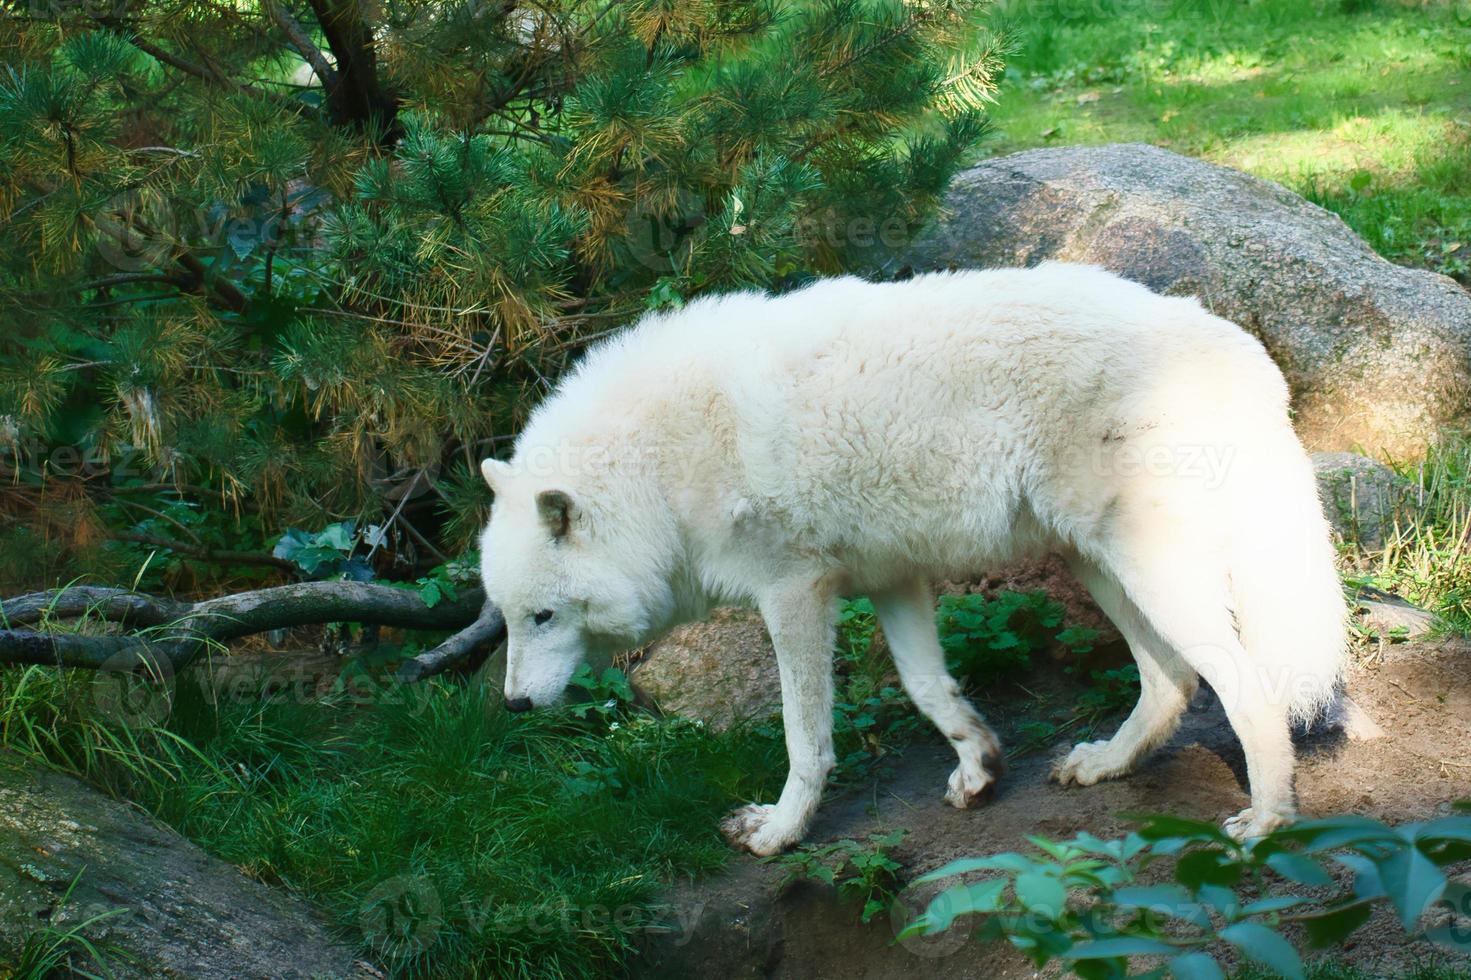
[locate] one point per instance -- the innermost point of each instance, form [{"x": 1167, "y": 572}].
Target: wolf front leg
[{"x": 800, "y": 617}]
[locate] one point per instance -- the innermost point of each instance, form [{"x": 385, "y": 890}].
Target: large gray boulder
[
  {"x": 1378, "y": 356},
  {"x": 721, "y": 671},
  {"x": 171, "y": 910}
]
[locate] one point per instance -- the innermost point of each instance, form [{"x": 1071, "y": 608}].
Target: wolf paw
[
  {"x": 1246, "y": 825},
  {"x": 971, "y": 784},
  {"x": 1086, "y": 764},
  {"x": 758, "y": 828}
]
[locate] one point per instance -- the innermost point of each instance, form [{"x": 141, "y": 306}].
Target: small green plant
[
  {"x": 986, "y": 638},
  {"x": 863, "y": 869},
  {"x": 872, "y": 714},
  {"x": 1081, "y": 901},
  {"x": 50, "y": 951}
]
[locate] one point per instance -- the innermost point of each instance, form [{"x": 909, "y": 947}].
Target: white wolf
[{"x": 861, "y": 438}]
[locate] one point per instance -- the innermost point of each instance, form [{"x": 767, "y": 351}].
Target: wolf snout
[{"x": 518, "y": 704}]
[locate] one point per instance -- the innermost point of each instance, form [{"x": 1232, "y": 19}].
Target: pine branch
[{"x": 302, "y": 43}]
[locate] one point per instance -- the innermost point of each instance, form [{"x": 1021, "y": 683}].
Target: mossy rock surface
[{"x": 177, "y": 911}]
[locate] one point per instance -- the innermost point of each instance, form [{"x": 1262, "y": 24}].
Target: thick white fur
[{"x": 869, "y": 438}]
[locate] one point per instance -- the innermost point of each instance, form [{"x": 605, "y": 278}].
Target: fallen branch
[
  {"x": 487, "y": 630},
  {"x": 180, "y": 630},
  {"x": 113, "y": 605},
  {"x": 25, "y": 647}
]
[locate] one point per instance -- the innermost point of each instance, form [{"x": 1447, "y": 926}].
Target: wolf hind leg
[
  {"x": 907, "y": 615},
  {"x": 1185, "y": 598},
  {"x": 1166, "y": 684}
]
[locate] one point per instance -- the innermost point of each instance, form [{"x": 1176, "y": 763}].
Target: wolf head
[{"x": 571, "y": 581}]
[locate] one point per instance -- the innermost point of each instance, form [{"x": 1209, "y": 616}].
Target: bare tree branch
[
  {"x": 358, "y": 96},
  {"x": 112, "y": 605},
  {"x": 487, "y": 630},
  {"x": 70, "y": 650},
  {"x": 302, "y": 43},
  {"x": 183, "y": 629}
]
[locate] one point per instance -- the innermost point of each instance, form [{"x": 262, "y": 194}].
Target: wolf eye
[{"x": 542, "y": 617}]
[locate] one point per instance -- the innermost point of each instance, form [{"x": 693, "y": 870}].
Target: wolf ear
[
  {"x": 557, "y": 511},
  {"x": 494, "y": 472}
]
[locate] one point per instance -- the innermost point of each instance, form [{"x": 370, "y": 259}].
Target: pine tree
[{"x": 300, "y": 261}]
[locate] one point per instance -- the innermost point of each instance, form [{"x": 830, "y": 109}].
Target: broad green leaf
[
  {"x": 1303, "y": 870},
  {"x": 958, "y": 900},
  {"x": 1195, "y": 966},
  {"x": 1265, "y": 946},
  {"x": 1223, "y": 900},
  {"x": 1041, "y": 893},
  {"x": 1275, "y": 903},
  {"x": 1412, "y": 882},
  {"x": 1207, "y": 866},
  {"x": 1331, "y": 833},
  {"x": 1008, "y": 861},
  {"x": 1147, "y": 896},
  {"x": 1445, "y": 828},
  {"x": 1366, "y": 875},
  {"x": 339, "y": 536},
  {"x": 1331, "y": 927},
  {"x": 1157, "y": 826}
]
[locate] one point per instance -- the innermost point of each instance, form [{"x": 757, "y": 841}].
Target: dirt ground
[{"x": 745, "y": 924}]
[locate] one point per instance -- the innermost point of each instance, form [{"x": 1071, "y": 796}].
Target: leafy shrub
[{"x": 1082, "y": 902}]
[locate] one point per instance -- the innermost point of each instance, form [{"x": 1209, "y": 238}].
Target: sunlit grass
[
  {"x": 1363, "y": 107},
  {"x": 1426, "y": 552}
]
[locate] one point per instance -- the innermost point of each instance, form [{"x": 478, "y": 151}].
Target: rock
[
  {"x": 1387, "y": 615},
  {"x": 1376, "y": 354},
  {"x": 175, "y": 911},
  {"x": 720, "y": 671},
  {"x": 1362, "y": 498}
]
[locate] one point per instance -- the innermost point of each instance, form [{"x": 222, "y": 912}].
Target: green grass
[
  {"x": 446, "y": 836},
  {"x": 1363, "y": 106},
  {"x": 50, "y": 952},
  {"x": 1426, "y": 556}
]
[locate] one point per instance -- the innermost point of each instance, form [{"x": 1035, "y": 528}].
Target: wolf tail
[{"x": 1289, "y": 604}]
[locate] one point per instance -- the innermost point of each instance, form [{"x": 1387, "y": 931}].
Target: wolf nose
[{"x": 518, "y": 704}]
